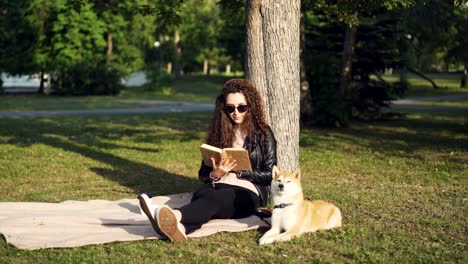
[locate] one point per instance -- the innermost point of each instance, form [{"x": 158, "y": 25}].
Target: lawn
[
  {"x": 188, "y": 88},
  {"x": 448, "y": 83},
  {"x": 197, "y": 88},
  {"x": 401, "y": 185}
]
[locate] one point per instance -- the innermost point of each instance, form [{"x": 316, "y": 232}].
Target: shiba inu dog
[{"x": 292, "y": 215}]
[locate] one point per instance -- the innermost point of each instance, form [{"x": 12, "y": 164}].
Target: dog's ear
[
  {"x": 297, "y": 173},
  {"x": 275, "y": 171}
]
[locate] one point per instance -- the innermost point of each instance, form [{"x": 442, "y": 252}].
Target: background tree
[
  {"x": 333, "y": 105},
  {"x": 88, "y": 46},
  {"x": 23, "y": 37},
  {"x": 457, "y": 51},
  {"x": 232, "y": 33}
]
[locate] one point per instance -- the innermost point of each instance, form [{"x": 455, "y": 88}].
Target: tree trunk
[
  {"x": 109, "y": 45},
  {"x": 41, "y": 84},
  {"x": 205, "y": 66},
  {"x": 463, "y": 83},
  {"x": 228, "y": 68},
  {"x": 306, "y": 98},
  {"x": 254, "y": 59},
  {"x": 273, "y": 65},
  {"x": 420, "y": 74},
  {"x": 347, "y": 60},
  {"x": 178, "y": 51},
  {"x": 169, "y": 67}
]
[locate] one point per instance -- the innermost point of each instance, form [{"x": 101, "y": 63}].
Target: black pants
[{"x": 222, "y": 201}]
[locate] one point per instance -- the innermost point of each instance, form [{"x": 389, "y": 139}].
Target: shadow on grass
[
  {"x": 437, "y": 130},
  {"x": 90, "y": 138}
]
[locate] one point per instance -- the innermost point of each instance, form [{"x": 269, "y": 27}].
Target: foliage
[
  {"x": 457, "y": 50},
  {"x": 376, "y": 49},
  {"x": 63, "y": 37},
  {"x": 94, "y": 79},
  {"x": 207, "y": 31},
  {"x": 19, "y": 36},
  {"x": 77, "y": 37},
  {"x": 199, "y": 28},
  {"x": 428, "y": 26},
  {"x": 232, "y": 33},
  {"x": 350, "y": 12},
  {"x": 159, "y": 80}
]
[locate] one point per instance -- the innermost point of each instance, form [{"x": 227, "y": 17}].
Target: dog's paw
[{"x": 266, "y": 240}]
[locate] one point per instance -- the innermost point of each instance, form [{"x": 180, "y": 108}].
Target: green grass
[
  {"x": 189, "y": 88},
  {"x": 401, "y": 186},
  {"x": 448, "y": 84},
  {"x": 197, "y": 88},
  {"x": 460, "y": 102},
  {"x": 37, "y": 102}
]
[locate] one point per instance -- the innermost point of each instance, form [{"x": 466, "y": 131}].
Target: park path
[
  {"x": 157, "y": 107},
  {"x": 419, "y": 103},
  {"x": 146, "y": 107}
]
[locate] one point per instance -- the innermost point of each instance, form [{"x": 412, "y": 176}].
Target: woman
[{"x": 239, "y": 121}]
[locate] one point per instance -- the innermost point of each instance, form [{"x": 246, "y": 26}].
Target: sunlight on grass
[
  {"x": 36, "y": 102},
  {"x": 188, "y": 88},
  {"x": 448, "y": 83},
  {"x": 400, "y": 185},
  {"x": 197, "y": 88}
]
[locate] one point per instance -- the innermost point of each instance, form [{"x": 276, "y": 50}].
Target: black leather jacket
[{"x": 262, "y": 159}]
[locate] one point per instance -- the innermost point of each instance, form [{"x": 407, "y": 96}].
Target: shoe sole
[
  {"x": 168, "y": 225},
  {"x": 146, "y": 210}
]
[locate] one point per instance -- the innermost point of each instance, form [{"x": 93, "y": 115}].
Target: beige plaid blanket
[{"x": 31, "y": 225}]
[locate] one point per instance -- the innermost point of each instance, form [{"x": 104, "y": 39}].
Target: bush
[
  {"x": 86, "y": 79},
  {"x": 159, "y": 80},
  {"x": 369, "y": 98},
  {"x": 324, "y": 82}
]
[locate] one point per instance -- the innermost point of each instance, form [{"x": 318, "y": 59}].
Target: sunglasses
[{"x": 230, "y": 108}]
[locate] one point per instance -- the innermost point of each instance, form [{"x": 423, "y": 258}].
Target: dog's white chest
[{"x": 284, "y": 218}]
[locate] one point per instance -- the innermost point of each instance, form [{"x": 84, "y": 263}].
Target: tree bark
[
  {"x": 347, "y": 60},
  {"x": 109, "y": 45},
  {"x": 169, "y": 67},
  {"x": 463, "y": 83},
  {"x": 420, "y": 74},
  {"x": 254, "y": 60},
  {"x": 178, "y": 51},
  {"x": 41, "y": 84},
  {"x": 205, "y": 66},
  {"x": 306, "y": 97},
  {"x": 273, "y": 65}
]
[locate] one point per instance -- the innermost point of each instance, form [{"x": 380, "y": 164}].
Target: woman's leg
[{"x": 223, "y": 202}]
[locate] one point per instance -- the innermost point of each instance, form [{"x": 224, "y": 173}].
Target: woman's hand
[{"x": 222, "y": 168}]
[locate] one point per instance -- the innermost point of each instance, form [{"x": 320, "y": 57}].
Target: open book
[{"x": 239, "y": 154}]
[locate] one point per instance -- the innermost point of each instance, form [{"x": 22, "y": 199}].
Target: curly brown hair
[{"x": 221, "y": 132}]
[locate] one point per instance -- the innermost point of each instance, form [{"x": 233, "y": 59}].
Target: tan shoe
[{"x": 169, "y": 225}]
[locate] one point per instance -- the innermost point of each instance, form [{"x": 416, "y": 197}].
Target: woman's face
[{"x": 236, "y": 107}]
